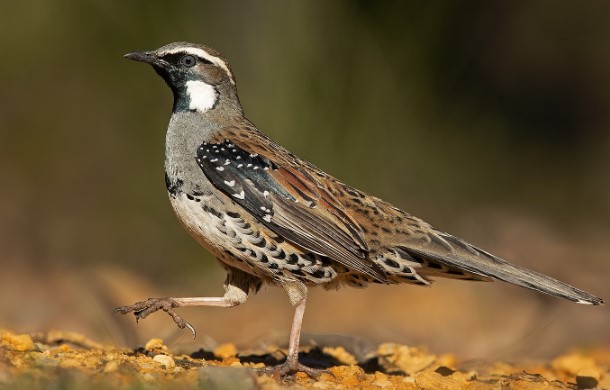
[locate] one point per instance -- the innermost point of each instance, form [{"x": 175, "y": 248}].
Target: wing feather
[{"x": 287, "y": 199}]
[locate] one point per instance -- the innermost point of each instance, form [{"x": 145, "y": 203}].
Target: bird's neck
[
  {"x": 187, "y": 130},
  {"x": 213, "y": 101}
]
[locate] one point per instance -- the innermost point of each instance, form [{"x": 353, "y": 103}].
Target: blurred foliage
[{"x": 442, "y": 108}]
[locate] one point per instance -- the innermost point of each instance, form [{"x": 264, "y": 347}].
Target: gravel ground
[{"x": 64, "y": 360}]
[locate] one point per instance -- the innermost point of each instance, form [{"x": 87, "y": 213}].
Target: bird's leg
[
  {"x": 297, "y": 292},
  {"x": 234, "y": 296}
]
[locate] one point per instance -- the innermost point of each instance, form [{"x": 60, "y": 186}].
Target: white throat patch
[{"x": 202, "y": 96}]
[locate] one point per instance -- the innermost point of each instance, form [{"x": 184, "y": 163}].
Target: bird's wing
[{"x": 284, "y": 195}]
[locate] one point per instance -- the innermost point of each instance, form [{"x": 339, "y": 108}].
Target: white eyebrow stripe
[{"x": 203, "y": 54}]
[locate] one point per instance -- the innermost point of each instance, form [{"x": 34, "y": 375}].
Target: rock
[
  {"x": 430, "y": 380},
  {"x": 225, "y": 351},
  {"x": 157, "y": 346},
  {"x": 17, "y": 342},
  {"x": 573, "y": 363},
  {"x": 587, "y": 378},
  {"x": 407, "y": 359},
  {"x": 341, "y": 355},
  {"x": 165, "y": 360}
]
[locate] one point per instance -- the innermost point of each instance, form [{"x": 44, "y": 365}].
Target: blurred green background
[{"x": 489, "y": 119}]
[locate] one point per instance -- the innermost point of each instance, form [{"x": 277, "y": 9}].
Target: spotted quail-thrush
[{"x": 270, "y": 217}]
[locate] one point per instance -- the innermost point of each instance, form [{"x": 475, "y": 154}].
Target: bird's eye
[{"x": 188, "y": 61}]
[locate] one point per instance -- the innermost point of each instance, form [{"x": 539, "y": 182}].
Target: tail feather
[{"x": 454, "y": 252}]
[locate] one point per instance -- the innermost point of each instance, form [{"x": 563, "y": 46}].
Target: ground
[{"x": 64, "y": 360}]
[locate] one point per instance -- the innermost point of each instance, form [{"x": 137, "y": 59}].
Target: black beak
[{"x": 147, "y": 57}]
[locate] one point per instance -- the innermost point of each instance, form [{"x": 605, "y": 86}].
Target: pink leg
[{"x": 233, "y": 297}]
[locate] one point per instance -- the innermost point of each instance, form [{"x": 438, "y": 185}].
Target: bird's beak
[{"x": 147, "y": 57}]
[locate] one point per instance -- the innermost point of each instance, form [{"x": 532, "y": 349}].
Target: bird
[{"x": 272, "y": 218}]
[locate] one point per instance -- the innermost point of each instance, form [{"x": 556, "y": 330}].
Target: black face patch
[{"x": 174, "y": 59}]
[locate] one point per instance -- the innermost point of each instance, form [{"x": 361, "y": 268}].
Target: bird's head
[{"x": 197, "y": 74}]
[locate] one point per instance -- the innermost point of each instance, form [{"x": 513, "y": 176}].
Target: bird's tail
[{"x": 456, "y": 253}]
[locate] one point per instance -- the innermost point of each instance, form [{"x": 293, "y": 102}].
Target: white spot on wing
[
  {"x": 202, "y": 96},
  {"x": 241, "y": 195},
  {"x": 230, "y": 183},
  {"x": 267, "y": 217}
]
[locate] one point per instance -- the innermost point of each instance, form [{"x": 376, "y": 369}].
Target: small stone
[
  {"x": 587, "y": 378},
  {"x": 17, "y": 342},
  {"x": 225, "y": 351},
  {"x": 574, "y": 363},
  {"x": 408, "y": 359},
  {"x": 165, "y": 360},
  {"x": 341, "y": 355},
  {"x": 146, "y": 367},
  {"x": 156, "y": 345},
  {"x": 430, "y": 380}
]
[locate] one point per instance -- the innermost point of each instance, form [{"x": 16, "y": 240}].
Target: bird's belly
[{"x": 245, "y": 244}]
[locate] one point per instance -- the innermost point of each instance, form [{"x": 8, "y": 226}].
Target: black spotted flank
[{"x": 173, "y": 186}]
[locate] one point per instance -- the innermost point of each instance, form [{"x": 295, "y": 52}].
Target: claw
[
  {"x": 192, "y": 329},
  {"x": 143, "y": 309},
  {"x": 292, "y": 367}
]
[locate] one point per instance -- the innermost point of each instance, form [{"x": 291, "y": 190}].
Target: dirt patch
[{"x": 63, "y": 360}]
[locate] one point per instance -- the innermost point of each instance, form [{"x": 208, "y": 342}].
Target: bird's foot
[
  {"x": 292, "y": 367},
  {"x": 143, "y": 309}
]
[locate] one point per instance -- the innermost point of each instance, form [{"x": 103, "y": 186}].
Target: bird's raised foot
[
  {"x": 143, "y": 309},
  {"x": 291, "y": 367}
]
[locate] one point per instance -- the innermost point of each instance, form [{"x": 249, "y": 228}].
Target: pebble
[
  {"x": 225, "y": 351},
  {"x": 17, "y": 342},
  {"x": 165, "y": 360},
  {"x": 156, "y": 345}
]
